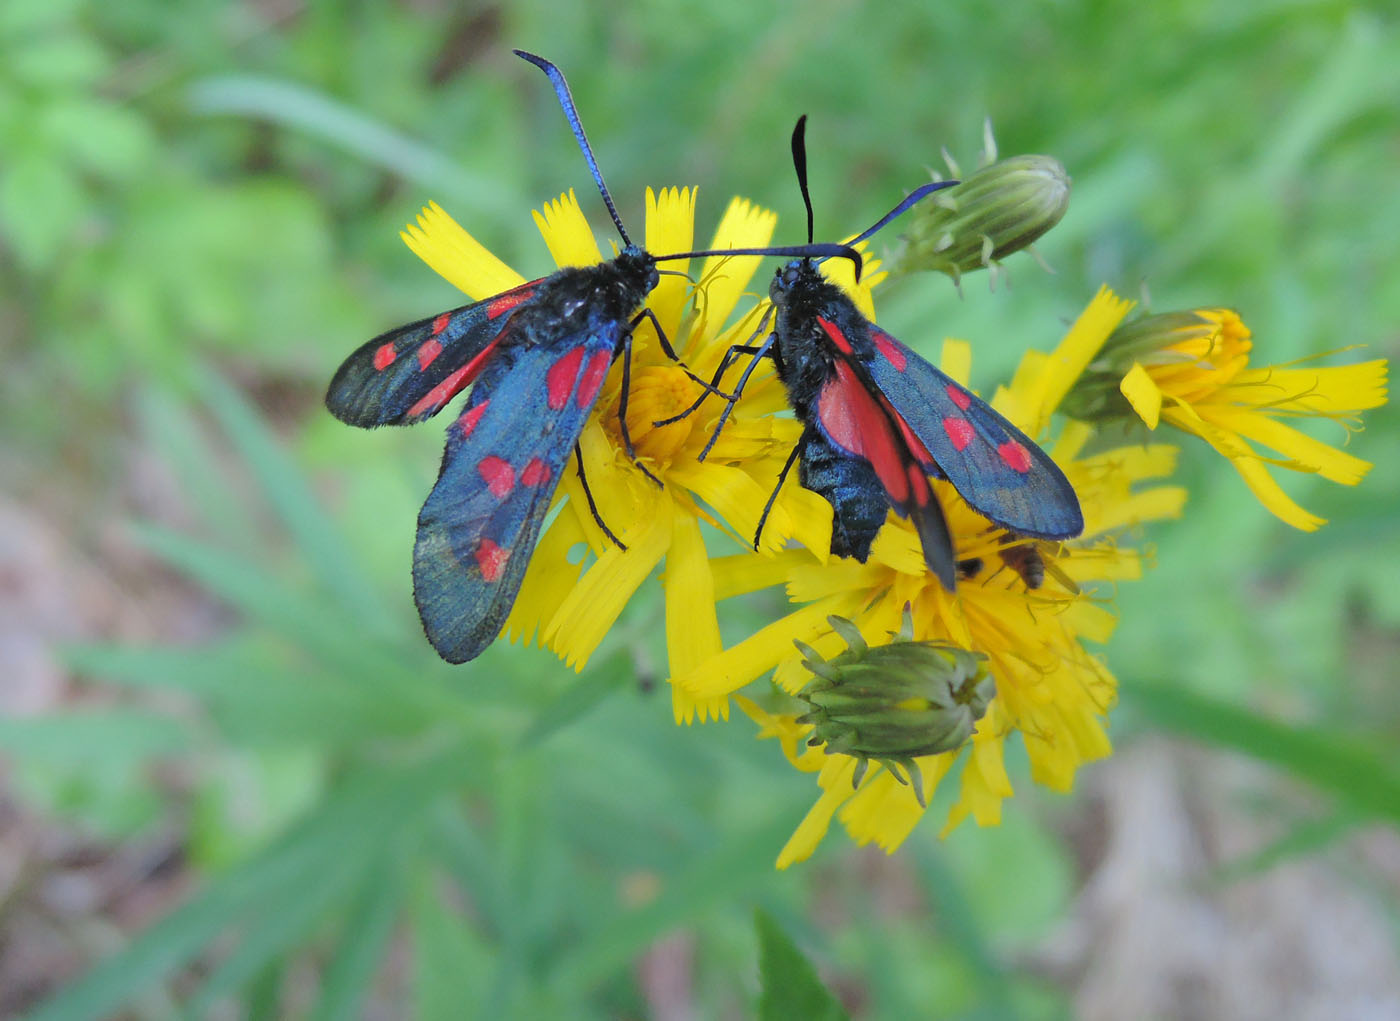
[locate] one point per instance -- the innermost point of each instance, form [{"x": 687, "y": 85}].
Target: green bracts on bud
[
  {"x": 894, "y": 703},
  {"x": 997, "y": 210}
]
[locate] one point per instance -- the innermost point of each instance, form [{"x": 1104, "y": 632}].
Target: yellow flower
[
  {"x": 1191, "y": 370},
  {"x": 568, "y": 604},
  {"x": 1049, "y": 688}
]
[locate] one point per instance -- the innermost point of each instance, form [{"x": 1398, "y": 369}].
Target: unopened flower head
[
  {"x": 893, "y": 702},
  {"x": 999, "y": 209}
]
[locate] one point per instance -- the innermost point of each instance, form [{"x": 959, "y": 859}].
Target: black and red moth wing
[
  {"x": 504, "y": 456},
  {"x": 995, "y": 467},
  {"x": 408, "y": 374},
  {"x": 856, "y": 422}
]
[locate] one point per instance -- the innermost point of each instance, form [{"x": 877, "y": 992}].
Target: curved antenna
[
  {"x": 909, "y": 200},
  {"x": 821, "y": 250},
  {"x": 566, "y": 100},
  {"x": 799, "y": 163}
]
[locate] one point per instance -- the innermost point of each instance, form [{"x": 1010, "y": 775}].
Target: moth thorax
[{"x": 658, "y": 392}]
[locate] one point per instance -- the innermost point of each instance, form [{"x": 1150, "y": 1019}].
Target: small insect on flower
[
  {"x": 880, "y": 420},
  {"x": 538, "y": 355}
]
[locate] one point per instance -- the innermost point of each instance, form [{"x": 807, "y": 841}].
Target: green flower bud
[
  {"x": 999, "y": 209},
  {"x": 894, "y": 703}
]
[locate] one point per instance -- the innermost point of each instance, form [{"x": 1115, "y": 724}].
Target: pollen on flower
[{"x": 659, "y": 392}]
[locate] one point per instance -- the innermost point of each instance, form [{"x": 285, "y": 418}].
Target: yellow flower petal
[
  {"x": 692, "y": 629},
  {"x": 1143, "y": 394},
  {"x": 548, "y": 579},
  {"x": 593, "y": 605},
  {"x": 814, "y": 825},
  {"x": 723, "y": 278},
  {"x": 763, "y": 650},
  {"x": 811, "y": 517},
  {"x": 1325, "y": 391},
  {"x": 1073, "y": 438},
  {"x": 956, "y": 360},
  {"x": 1306, "y": 453},
  {"x": 884, "y": 811},
  {"x": 1260, "y": 482},
  {"x": 735, "y": 496},
  {"x": 1093, "y": 622},
  {"x": 456, "y": 256},
  {"x": 670, "y": 229},
  {"x": 565, "y": 230},
  {"x": 1160, "y": 503},
  {"x": 744, "y": 572},
  {"x": 1068, "y": 361}
]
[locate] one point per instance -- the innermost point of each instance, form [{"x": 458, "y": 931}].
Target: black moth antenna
[
  {"x": 799, "y": 163},
  {"x": 566, "y": 100}
]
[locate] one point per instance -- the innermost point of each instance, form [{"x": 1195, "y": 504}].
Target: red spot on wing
[
  {"x": 1016, "y": 457},
  {"x": 452, "y": 385},
  {"x": 889, "y": 347},
  {"x": 498, "y": 475},
  {"x": 837, "y": 337},
  {"x": 959, "y": 396},
  {"x": 960, "y": 432},
  {"x": 503, "y": 303},
  {"x": 440, "y": 323},
  {"x": 491, "y": 559},
  {"x": 857, "y": 425},
  {"x": 593, "y": 376},
  {"x": 536, "y": 473},
  {"x": 561, "y": 376},
  {"x": 429, "y": 351},
  {"x": 468, "y": 419},
  {"x": 384, "y": 356}
]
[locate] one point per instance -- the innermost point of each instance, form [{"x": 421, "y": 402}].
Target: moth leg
[
  {"x": 734, "y": 352},
  {"x": 593, "y": 507},
  {"x": 764, "y": 349},
  {"x": 622, "y": 410},
  {"x": 773, "y": 496},
  {"x": 710, "y": 388}
]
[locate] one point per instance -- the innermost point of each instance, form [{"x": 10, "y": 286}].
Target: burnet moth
[
  {"x": 880, "y": 421},
  {"x": 536, "y": 357}
]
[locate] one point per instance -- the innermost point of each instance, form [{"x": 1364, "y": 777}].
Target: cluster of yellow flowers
[{"x": 1031, "y": 635}]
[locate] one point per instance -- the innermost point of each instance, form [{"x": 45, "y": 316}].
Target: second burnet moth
[
  {"x": 880, "y": 421},
  {"x": 535, "y": 357}
]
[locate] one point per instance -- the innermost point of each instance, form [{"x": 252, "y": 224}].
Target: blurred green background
[{"x": 240, "y": 785}]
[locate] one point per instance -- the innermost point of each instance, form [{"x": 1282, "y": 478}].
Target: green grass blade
[
  {"x": 285, "y": 488},
  {"x": 452, "y": 963},
  {"x": 965, "y": 936},
  {"x": 715, "y": 875},
  {"x": 368, "y": 810},
  {"x": 94, "y": 737},
  {"x": 365, "y": 935},
  {"x": 179, "y": 437},
  {"x": 313, "y": 113},
  {"x": 789, "y": 986},
  {"x": 1341, "y": 766},
  {"x": 1308, "y": 837}
]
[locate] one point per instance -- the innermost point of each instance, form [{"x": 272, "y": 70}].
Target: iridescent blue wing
[
  {"x": 504, "y": 456},
  {"x": 408, "y": 374},
  {"x": 994, "y": 466}
]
